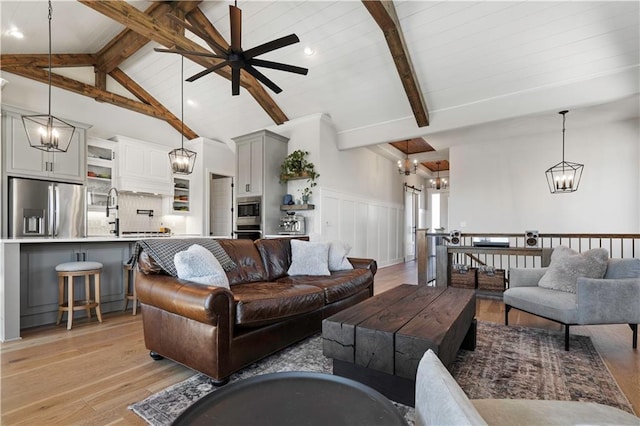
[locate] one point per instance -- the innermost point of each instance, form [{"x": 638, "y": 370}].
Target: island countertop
[{"x": 97, "y": 239}]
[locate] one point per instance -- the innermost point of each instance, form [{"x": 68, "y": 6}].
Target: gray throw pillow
[
  {"x": 309, "y": 258},
  {"x": 567, "y": 266}
]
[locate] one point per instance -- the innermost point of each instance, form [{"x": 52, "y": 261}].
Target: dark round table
[{"x": 293, "y": 398}]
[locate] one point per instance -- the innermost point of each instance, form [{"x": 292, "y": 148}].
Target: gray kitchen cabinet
[
  {"x": 39, "y": 280},
  {"x": 23, "y": 160},
  {"x": 259, "y": 156}
]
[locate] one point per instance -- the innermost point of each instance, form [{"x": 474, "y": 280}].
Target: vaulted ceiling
[{"x": 474, "y": 63}]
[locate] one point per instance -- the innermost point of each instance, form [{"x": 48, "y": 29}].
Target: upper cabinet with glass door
[{"x": 101, "y": 170}]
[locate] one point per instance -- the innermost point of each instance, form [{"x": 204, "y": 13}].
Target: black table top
[{"x": 293, "y": 398}]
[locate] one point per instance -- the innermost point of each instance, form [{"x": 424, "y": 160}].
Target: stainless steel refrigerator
[{"x": 40, "y": 208}]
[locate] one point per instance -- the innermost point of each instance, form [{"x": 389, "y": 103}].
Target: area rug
[{"x": 509, "y": 362}]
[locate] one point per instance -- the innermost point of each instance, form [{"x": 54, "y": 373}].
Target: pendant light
[
  {"x": 46, "y": 132},
  {"x": 438, "y": 183},
  {"x": 182, "y": 159},
  {"x": 408, "y": 168},
  {"x": 565, "y": 176}
]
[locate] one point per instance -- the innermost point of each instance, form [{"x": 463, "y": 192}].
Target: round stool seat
[{"x": 78, "y": 266}]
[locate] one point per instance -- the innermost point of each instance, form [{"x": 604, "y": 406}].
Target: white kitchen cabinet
[
  {"x": 258, "y": 159},
  {"x": 250, "y": 167},
  {"x": 143, "y": 167},
  {"x": 101, "y": 172},
  {"x": 24, "y": 161}
]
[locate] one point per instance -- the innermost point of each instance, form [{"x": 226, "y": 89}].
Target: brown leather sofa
[{"x": 217, "y": 331}]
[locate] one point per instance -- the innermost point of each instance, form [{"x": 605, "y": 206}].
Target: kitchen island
[{"x": 29, "y": 282}]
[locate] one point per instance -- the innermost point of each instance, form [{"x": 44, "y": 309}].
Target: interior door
[
  {"x": 410, "y": 222},
  {"x": 220, "y": 205}
]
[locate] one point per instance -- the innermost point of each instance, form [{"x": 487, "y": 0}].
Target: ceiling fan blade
[
  {"x": 207, "y": 71},
  {"x": 189, "y": 53},
  {"x": 235, "y": 16},
  {"x": 278, "y": 66},
  {"x": 263, "y": 78},
  {"x": 235, "y": 81},
  {"x": 200, "y": 33},
  {"x": 271, "y": 45}
]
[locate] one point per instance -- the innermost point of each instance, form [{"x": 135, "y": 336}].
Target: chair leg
[
  {"x": 634, "y": 329},
  {"x": 566, "y": 337},
  {"x": 507, "y": 308}
]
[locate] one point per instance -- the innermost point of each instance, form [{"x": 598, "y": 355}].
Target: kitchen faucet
[{"x": 116, "y": 221}]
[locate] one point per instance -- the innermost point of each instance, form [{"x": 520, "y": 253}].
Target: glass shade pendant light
[
  {"x": 407, "y": 167},
  {"x": 565, "y": 176},
  {"x": 438, "y": 183},
  {"x": 46, "y": 132},
  {"x": 182, "y": 159}
]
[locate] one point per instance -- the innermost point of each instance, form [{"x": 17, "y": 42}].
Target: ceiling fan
[{"x": 234, "y": 56}]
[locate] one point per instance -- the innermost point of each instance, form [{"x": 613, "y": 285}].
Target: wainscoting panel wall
[{"x": 372, "y": 228}]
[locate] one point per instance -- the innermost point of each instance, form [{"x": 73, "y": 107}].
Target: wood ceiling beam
[
  {"x": 384, "y": 13},
  {"x": 129, "y": 42},
  {"x": 58, "y": 60},
  {"x": 144, "y": 96},
  {"x": 120, "y": 11},
  {"x": 85, "y": 90}
]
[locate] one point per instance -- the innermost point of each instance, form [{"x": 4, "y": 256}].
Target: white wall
[
  {"x": 501, "y": 186},
  {"x": 359, "y": 197}
]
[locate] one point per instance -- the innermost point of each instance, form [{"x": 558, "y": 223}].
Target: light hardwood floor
[{"x": 89, "y": 375}]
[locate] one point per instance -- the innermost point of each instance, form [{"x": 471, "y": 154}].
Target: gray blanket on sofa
[{"x": 164, "y": 250}]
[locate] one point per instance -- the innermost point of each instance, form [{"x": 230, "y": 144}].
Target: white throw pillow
[
  {"x": 338, "y": 252},
  {"x": 199, "y": 265},
  {"x": 567, "y": 265},
  {"x": 309, "y": 258}
]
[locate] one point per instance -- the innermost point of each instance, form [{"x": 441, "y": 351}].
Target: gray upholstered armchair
[{"x": 615, "y": 299}]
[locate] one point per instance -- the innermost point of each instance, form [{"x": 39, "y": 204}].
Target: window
[{"x": 435, "y": 211}]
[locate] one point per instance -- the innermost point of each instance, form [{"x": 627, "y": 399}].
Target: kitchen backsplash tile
[{"x": 131, "y": 221}]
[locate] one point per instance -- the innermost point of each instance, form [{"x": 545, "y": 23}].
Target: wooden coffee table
[{"x": 380, "y": 341}]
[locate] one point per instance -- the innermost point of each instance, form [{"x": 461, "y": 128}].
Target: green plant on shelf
[{"x": 296, "y": 166}]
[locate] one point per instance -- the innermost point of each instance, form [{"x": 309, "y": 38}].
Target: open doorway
[
  {"x": 411, "y": 208},
  {"x": 220, "y": 206}
]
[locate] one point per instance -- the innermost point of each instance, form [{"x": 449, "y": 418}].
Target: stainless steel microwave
[{"x": 249, "y": 210}]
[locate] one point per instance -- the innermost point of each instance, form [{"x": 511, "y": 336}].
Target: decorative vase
[{"x": 305, "y": 199}]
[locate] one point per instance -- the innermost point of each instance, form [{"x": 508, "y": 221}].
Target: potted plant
[{"x": 296, "y": 166}]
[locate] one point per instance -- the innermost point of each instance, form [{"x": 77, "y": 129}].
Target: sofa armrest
[
  {"x": 525, "y": 277},
  {"x": 608, "y": 301},
  {"x": 361, "y": 263},
  {"x": 198, "y": 302}
]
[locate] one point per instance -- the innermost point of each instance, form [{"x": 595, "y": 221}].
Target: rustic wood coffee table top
[{"x": 391, "y": 331}]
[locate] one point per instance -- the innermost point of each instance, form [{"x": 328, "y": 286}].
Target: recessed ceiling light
[
  {"x": 192, "y": 103},
  {"x": 15, "y": 33},
  {"x": 309, "y": 51}
]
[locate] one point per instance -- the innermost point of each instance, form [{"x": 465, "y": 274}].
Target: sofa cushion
[
  {"x": 531, "y": 412},
  {"x": 439, "y": 399},
  {"x": 245, "y": 254},
  {"x": 622, "y": 268},
  {"x": 553, "y": 304},
  {"x": 309, "y": 258},
  {"x": 262, "y": 303},
  {"x": 199, "y": 265},
  {"x": 339, "y": 285},
  {"x": 567, "y": 265},
  {"x": 276, "y": 256}
]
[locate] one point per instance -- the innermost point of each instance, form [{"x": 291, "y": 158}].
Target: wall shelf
[{"x": 295, "y": 207}]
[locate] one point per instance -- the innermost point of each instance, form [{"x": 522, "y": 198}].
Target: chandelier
[
  {"x": 438, "y": 183},
  {"x": 565, "y": 176},
  {"x": 182, "y": 159},
  {"x": 408, "y": 167},
  {"x": 46, "y": 132}
]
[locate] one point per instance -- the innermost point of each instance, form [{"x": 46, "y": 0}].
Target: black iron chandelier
[
  {"x": 46, "y": 132},
  {"x": 438, "y": 183},
  {"x": 182, "y": 159},
  {"x": 407, "y": 167},
  {"x": 565, "y": 176}
]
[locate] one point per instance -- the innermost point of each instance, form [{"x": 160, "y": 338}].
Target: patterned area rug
[{"x": 509, "y": 362}]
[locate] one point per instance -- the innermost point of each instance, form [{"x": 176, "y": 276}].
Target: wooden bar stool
[
  {"x": 67, "y": 271},
  {"x": 129, "y": 295}
]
